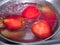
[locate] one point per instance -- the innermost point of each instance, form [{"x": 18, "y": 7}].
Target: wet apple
[
  {"x": 15, "y": 35},
  {"x": 14, "y": 22},
  {"x": 41, "y": 29},
  {"x": 49, "y": 15},
  {"x": 31, "y": 12}
]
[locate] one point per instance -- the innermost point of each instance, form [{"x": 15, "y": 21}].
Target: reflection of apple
[
  {"x": 14, "y": 22},
  {"x": 17, "y": 35},
  {"x": 49, "y": 14},
  {"x": 31, "y": 12},
  {"x": 41, "y": 29},
  {"x": 29, "y": 36}
]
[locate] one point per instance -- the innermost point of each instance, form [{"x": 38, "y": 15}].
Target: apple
[
  {"x": 49, "y": 15},
  {"x": 41, "y": 29},
  {"x": 13, "y": 35},
  {"x": 31, "y": 12},
  {"x": 14, "y": 22}
]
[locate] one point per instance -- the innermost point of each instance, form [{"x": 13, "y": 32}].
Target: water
[{"x": 14, "y": 8}]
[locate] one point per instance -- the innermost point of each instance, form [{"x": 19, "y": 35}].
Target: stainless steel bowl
[{"x": 35, "y": 1}]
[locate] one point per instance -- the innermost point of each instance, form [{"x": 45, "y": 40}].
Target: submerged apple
[
  {"x": 41, "y": 29},
  {"x": 31, "y": 12},
  {"x": 14, "y": 22},
  {"x": 15, "y": 35},
  {"x": 49, "y": 15}
]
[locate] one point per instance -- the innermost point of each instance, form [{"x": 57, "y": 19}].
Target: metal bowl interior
[{"x": 55, "y": 29}]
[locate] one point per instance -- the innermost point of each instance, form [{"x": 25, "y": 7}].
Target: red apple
[
  {"x": 41, "y": 29},
  {"x": 49, "y": 15},
  {"x": 31, "y": 12},
  {"x": 14, "y": 22}
]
